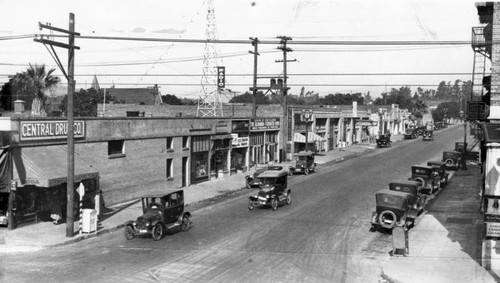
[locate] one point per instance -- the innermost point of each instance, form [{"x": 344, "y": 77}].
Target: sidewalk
[{"x": 445, "y": 244}]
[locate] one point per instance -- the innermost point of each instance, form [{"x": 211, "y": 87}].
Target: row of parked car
[{"x": 405, "y": 200}]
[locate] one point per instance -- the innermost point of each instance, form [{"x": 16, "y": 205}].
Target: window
[
  {"x": 169, "y": 169},
  {"x": 185, "y": 142},
  {"x": 170, "y": 143},
  {"x": 116, "y": 148}
]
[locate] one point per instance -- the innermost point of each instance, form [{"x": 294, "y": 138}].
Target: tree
[
  {"x": 6, "y": 96},
  {"x": 85, "y": 102},
  {"x": 450, "y": 108},
  {"x": 32, "y": 86},
  {"x": 171, "y": 99},
  {"x": 342, "y": 99},
  {"x": 247, "y": 97}
]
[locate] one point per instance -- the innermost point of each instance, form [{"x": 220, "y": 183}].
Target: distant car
[
  {"x": 393, "y": 208},
  {"x": 428, "y": 135},
  {"x": 429, "y": 179},
  {"x": 253, "y": 182},
  {"x": 304, "y": 163},
  {"x": 411, "y": 133},
  {"x": 420, "y": 130},
  {"x": 160, "y": 212},
  {"x": 384, "y": 141},
  {"x": 452, "y": 159},
  {"x": 273, "y": 190},
  {"x": 440, "y": 168}
]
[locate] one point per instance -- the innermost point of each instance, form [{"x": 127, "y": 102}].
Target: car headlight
[
  {"x": 147, "y": 224},
  {"x": 267, "y": 196}
]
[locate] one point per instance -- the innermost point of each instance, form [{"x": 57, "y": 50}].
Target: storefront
[
  {"x": 39, "y": 183},
  {"x": 240, "y": 144},
  {"x": 264, "y": 140},
  {"x": 200, "y": 149},
  {"x": 219, "y": 160}
]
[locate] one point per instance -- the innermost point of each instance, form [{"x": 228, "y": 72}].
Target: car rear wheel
[
  {"x": 387, "y": 219},
  {"x": 129, "y": 232},
  {"x": 274, "y": 203},
  {"x": 421, "y": 181},
  {"x": 157, "y": 232},
  {"x": 449, "y": 162},
  {"x": 185, "y": 223}
]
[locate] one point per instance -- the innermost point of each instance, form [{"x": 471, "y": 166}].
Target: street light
[
  {"x": 464, "y": 151},
  {"x": 306, "y": 117}
]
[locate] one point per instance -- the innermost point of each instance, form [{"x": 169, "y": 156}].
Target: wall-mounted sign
[
  {"x": 222, "y": 127},
  {"x": 241, "y": 126},
  {"x": 493, "y": 229},
  {"x": 47, "y": 130},
  {"x": 265, "y": 124},
  {"x": 241, "y": 142},
  {"x": 476, "y": 110}
]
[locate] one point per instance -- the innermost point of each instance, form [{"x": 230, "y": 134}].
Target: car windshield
[
  {"x": 302, "y": 158},
  {"x": 390, "y": 200},
  {"x": 268, "y": 181}
]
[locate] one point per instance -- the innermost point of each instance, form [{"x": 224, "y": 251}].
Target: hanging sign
[{"x": 221, "y": 77}]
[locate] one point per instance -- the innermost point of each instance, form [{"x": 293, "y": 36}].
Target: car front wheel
[
  {"x": 185, "y": 223},
  {"x": 157, "y": 232},
  {"x": 274, "y": 203},
  {"x": 306, "y": 171},
  {"x": 250, "y": 205},
  {"x": 129, "y": 232},
  {"x": 288, "y": 199}
]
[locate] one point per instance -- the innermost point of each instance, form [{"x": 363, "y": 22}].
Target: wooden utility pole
[
  {"x": 70, "y": 189},
  {"x": 284, "y": 91},
  {"x": 255, "y": 52}
]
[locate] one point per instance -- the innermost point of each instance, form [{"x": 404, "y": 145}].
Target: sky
[{"x": 177, "y": 67}]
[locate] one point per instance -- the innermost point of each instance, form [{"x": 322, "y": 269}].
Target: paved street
[{"x": 321, "y": 237}]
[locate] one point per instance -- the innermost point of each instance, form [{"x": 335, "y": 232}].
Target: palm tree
[{"x": 32, "y": 85}]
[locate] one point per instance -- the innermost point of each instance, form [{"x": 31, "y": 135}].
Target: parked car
[
  {"x": 304, "y": 163},
  {"x": 273, "y": 190},
  {"x": 411, "y": 187},
  {"x": 420, "y": 130},
  {"x": 440, "y": 168},
  {"x": 384, "y": 141},
  {"x": 393, "y": 208},
  {"x": 428, "y": 135},
  {"x": 429, "y": 179},
  {"x": 160, "y": 212},
  {"x": 411, "y": 133},
  {"x": 452, "y": 159},
  {"x": 253, "y": 182}
]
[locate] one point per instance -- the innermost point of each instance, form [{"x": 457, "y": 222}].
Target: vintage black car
[
  {"x": 384, "y": 141},
  {"x": 411, "y": 187},
  {"x": 304, "y": 163},
  {"x": 452, "y": 159},
  {"x": 429, "y": 179},
  {"x": 160, "y": 212},
  {"x": 273, "y": 190},
  {"x": 440, "y": 168},
  {"x": 253, "y": 182},
  {"x": 393, "y": 208},
  {"x": 411, "y": 133},
  {"x": 428, "y": 135}
]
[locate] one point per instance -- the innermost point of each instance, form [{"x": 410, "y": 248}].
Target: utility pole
[
  {"x": 284, "y": 90},
  {"x": 255, "y": 52},
  {"x": 70, "y": 189}
]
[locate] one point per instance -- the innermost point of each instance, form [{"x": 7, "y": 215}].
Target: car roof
[
  {"x": 405, "y": 182},
  {"x": 422, "y": 166},
  {"x": 305, "y": 153},
  {"x": 394, "y": 193},
  {"x": 272, "y": 174},
  {"x": 161, "y": 194}
]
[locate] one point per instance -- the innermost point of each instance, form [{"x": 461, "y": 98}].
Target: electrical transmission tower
[{"x": 209, "y": 102}]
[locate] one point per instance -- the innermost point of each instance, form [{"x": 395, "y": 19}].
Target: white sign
[
  {"x": 493, "y": 229},
  {"x": 354, "y": 109}
]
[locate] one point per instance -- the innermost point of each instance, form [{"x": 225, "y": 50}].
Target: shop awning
[
  {"x": 221, "y": 137},
  {"x": 47, "y": 166},
  {"x": 312, "y": 137}
]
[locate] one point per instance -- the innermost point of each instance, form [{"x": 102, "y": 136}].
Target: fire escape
[{"x": 478, "y": 105}]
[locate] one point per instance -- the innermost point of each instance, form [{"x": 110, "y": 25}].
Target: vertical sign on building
[
  {"x": 221, "y": 77},
  {"x": 354, "y": 109}
]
